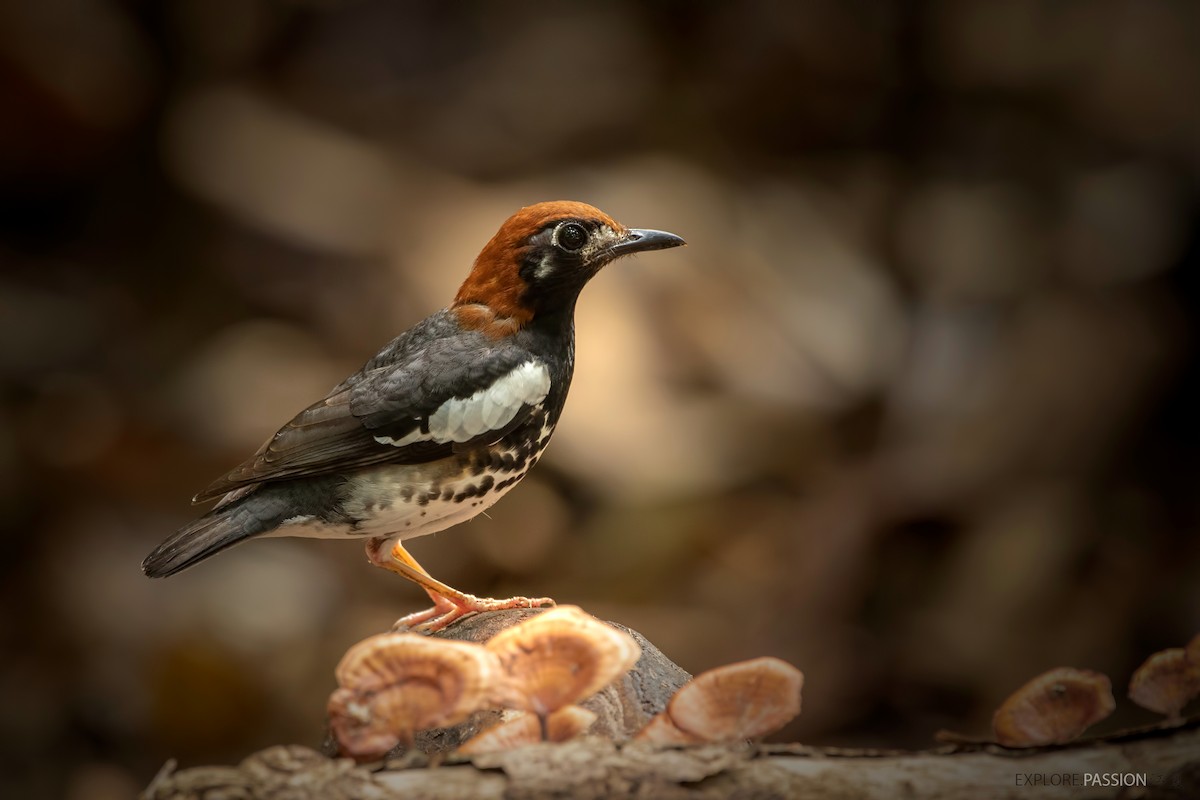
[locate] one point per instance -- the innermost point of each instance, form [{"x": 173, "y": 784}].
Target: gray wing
[{"x": 446, "y": 395}]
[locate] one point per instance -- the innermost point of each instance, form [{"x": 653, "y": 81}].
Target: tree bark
[
  {"x": 1168, "y": 761},
  {"x": 1160, "y": 762}
]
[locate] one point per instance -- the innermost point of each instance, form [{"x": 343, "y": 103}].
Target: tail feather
[{"x": 207, "y": 536}]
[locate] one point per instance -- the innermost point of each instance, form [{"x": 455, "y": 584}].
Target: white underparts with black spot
[
  {"x": 461, "y": 419},
  {"x": 405, "y": 501},
  {"x": 378, "y": 503}
]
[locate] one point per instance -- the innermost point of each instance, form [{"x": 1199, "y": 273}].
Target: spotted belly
[{"x": 405, "y": 501}]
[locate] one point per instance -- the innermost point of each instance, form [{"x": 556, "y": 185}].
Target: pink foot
[
  {"x": 447, "y": 610},
  {"x": 440, "y": 607}
]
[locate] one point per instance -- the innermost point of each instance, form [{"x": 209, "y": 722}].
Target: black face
[
  {"x": 566, "y": 253},
  {"x": 561, "y": 253},
  {"x": 561, "y": 258}
]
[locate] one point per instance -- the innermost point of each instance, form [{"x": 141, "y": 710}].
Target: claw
[
  {"x": 447, "y": 610},
  {"x": 448, "y": 604}
]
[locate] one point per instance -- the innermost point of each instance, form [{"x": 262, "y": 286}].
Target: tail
[{"x": 221, "y": 528}]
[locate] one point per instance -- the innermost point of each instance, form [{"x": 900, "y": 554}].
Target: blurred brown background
[{"x": 913, "y": 411}]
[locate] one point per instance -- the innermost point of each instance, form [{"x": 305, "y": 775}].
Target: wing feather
[{"x": 426, "y": 404}]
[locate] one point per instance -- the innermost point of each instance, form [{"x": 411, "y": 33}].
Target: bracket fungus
[
  {"x": 558, "y": 658},
  {"x": 1053, "y": 708},
  {"x": 662, "y": 730},
  {"x": 1166, "y": 682},
  {"x": 395, "y": 684},
  {"x": 745, "y": 700},
  {"x": 565, "y": 723}
]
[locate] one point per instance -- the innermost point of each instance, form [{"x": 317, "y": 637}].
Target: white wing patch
[{"x": 489, "y": 409}]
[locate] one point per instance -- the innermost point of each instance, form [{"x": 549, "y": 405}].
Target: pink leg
[{"x": 448, "y": 604}]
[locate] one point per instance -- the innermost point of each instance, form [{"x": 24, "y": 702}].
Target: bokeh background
[{"x": 914, "y": 410}]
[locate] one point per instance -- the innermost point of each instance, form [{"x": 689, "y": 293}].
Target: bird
[{"x": 439, "y": 424}]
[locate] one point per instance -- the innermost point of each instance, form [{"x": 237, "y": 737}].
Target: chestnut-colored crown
[{"x": 495, "y": 282}]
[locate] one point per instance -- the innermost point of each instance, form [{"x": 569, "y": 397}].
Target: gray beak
[{"x": 639, "y": 240}]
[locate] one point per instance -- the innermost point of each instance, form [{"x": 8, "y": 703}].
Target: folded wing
[{"x": 451, "y": 394}]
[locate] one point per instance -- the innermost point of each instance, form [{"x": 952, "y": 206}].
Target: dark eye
[{"x": 572, "y": 236}]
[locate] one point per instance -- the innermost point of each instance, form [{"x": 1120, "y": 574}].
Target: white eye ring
[{"x": 570, "y": 236}]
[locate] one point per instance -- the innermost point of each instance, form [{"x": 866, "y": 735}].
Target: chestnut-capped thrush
[{"x": 439, "y": 424}]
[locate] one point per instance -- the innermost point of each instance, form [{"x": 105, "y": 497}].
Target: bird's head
[{"x": 540, "y": 259}]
